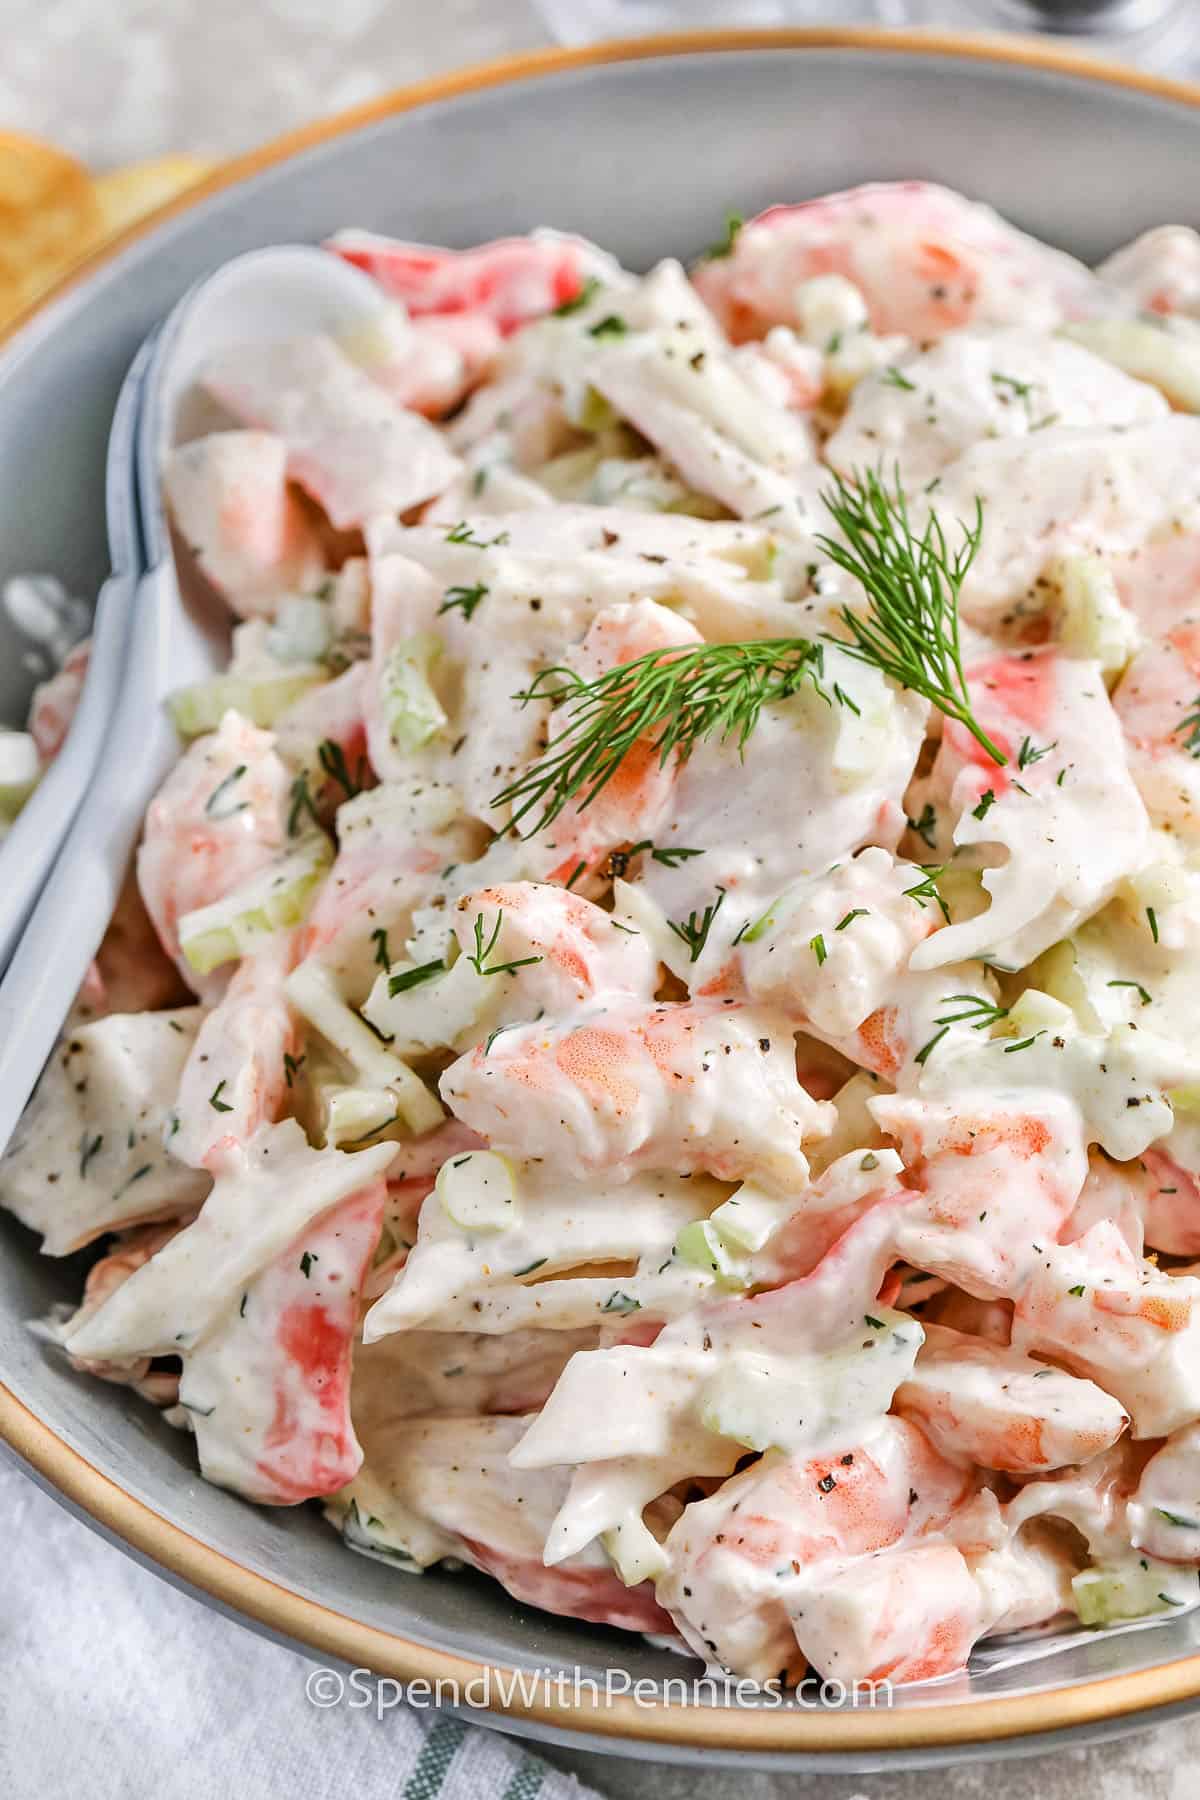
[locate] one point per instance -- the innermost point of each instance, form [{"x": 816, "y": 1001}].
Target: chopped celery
[
  {"x": 269, "y": 901},
  {"x": 412, "y": 711},
  {"x": 438, "y": 1007},
  {"x": 355, "y": 1114},
  {"x": 1056, "y": 972},
  {"x": 1093, "y": 621},
  {"x": 260, "y": 698},
  {"x": 593, "y": 412},
  {"x": 302, "y": 630},
  {"x": 312, "y": 992},
  {"x": 702, "y": 1245},
  {"x": 1135, "y": 1588},
  {"x": 478, "y": 1191},
  {"x": 20, "y": 768},
  {"x": 634, "y": 1551},
  {"x": 759, "y": 1402},
  {"x": 364, "y": 1533},
  {"x": 748, "y": 1218},
  {"x": 1035, "y": 1011},
  {"x": 1148, "y": 352}
]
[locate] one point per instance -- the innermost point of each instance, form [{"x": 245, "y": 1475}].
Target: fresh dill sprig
[
  {"x": 411, "y": 978},
  {"x": 578, "y": 300},
  {"x": 1191, "y": 724},
  {"x": 1031, "y": 752},
  {"x": 301, "y": 803},
  {"x": 926, "y": 824},
  {"x": 928, "y": 888},
  {"x": 1142, "y": 994},
  {"x": 724, "y": 245},
  {"x": 670, "y": 858},
  {"x": 912, "y": 583},
  {"x": 462, "y": 534},
  {"x": 463, "y": 599},
  {"x": 980, "y": 1012},
  {"x": 670, "y": 699},
  {"x": 478, "y": 957},
  {"x": 332, "y": 759},
  {"x": 973, "y": 1010},
  {"x": 695, "y": 932},
  {"x": 220, "y": 804}
]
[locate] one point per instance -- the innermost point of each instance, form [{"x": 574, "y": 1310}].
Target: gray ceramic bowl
[{"x": 644, "y": 149}]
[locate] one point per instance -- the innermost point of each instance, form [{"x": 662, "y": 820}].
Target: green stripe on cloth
[
  {"x": 432, "y": 1766},
  {"x": 527, "y": 1781}
]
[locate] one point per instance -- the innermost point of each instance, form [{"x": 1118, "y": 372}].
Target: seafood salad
[
  {"x": 52, "y": 625},
  {"x": 649, "y": 1048}
]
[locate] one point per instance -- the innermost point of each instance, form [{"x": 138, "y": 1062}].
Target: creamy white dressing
[{"x": 818, "y": 1096}]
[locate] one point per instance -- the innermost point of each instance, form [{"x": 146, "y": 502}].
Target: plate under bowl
[{"x": 645, "y": 148}]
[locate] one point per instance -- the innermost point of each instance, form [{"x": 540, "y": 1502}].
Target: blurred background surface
[{"x": 136, "y": 78}]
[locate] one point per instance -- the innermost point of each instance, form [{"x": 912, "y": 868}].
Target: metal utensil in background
[{"x": 1161, "y": 34}]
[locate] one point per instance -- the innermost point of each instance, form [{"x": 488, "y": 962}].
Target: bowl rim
[{"x": 321, "y": 1629}]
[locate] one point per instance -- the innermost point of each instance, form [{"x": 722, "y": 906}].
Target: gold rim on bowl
[{"x": 332, "y": 1634}]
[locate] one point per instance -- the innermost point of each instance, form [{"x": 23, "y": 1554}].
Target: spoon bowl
[
  {"x": 145, "y": 632},
  {"x": 287, "y": 291}
]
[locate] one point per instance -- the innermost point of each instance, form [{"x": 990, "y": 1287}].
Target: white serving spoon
[{"x": 263, "y": 296}]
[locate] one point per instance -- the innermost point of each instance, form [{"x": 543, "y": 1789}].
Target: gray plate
[{"x": 646, "y": 157}]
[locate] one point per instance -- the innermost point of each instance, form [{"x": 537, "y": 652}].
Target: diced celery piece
[
  {"x": 438, "y": 1007},
  {"x": 634, "y": 1551},
  {"x": 273, "y": 899},
  {"x": 594, "y": 412},
  {"x": 1135, "y": 1588},
  {"x": 478, "y": 1191},
  {"x": 1159, "y": 885},
  {"x": 1148, "y": 352},
  {"x": 412, "y": 711},
  {"x": 1036, "y": 1011},
  {"x": 1057, "y": 973},
  {"x": 312, "y": 992},
  {"x": 301, "y": 631},
  {"x": 758, "y": 1401},
  {"x": 863, "y": 737},
  {"x": 756, "y": 555},
  {"x": 260, "y": 698},
  {"x": 748, "y": 1218},
  {"x": 702, "y": 1245},
  {"x": 355, "y": 1114},
  {"x": 365, "y": 1533},
  {"x": 20, "y": 768},
  {"x": 1093, "y": 620}
]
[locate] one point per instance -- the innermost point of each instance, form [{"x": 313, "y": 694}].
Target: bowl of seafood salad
[{"x": 648, "y": 1047}]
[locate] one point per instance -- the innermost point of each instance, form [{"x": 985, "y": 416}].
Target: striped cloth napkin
[{"x": 116, "y": 1685}]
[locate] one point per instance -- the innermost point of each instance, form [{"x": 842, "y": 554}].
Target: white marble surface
[{"x": 119, "y": 79}]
